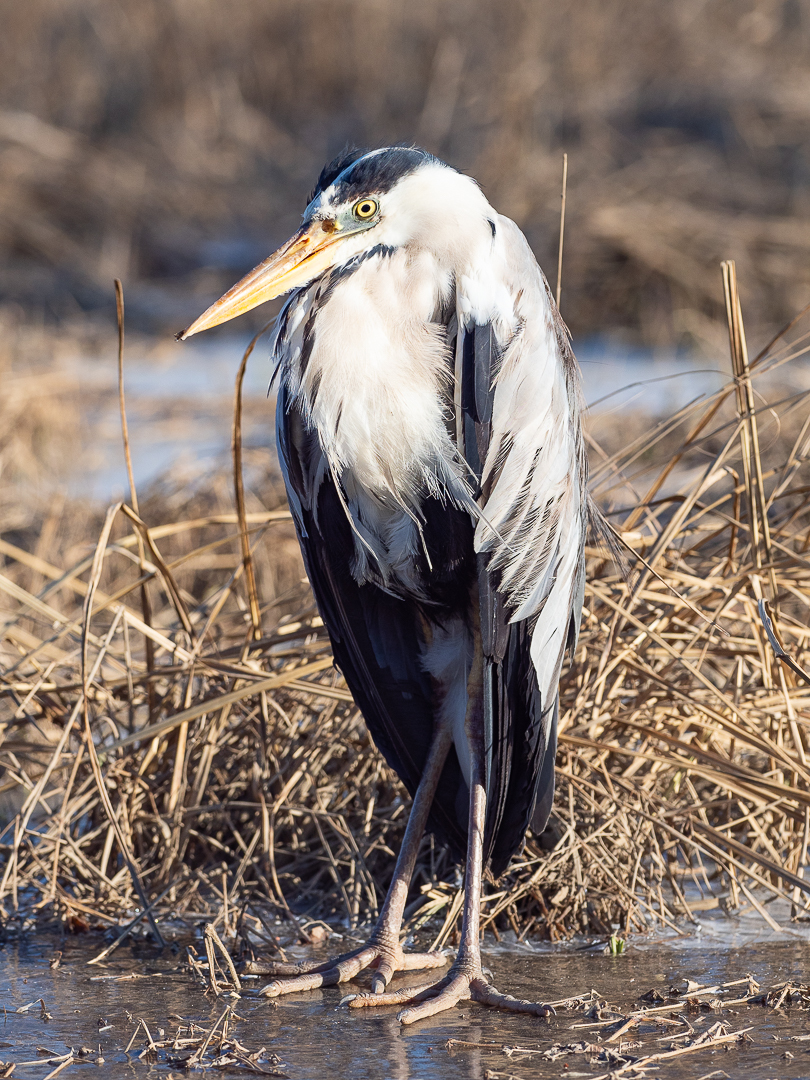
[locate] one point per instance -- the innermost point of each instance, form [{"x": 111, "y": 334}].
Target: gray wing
[{"x": 519, "y": 428}]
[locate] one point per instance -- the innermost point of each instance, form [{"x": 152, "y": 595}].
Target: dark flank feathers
[
  {"x": 377, "y": 639},
  {"x": 480, "y": 359}
]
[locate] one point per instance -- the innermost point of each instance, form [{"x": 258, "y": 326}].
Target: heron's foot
[
  {"x": 384, "y": 957},
  {"x": 457, "y": 986}
]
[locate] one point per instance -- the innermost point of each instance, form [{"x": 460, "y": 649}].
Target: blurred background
[{"x": 172, "y": 143}]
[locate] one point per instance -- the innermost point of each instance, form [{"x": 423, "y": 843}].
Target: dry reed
[
  {"x": 218, "y": 774},
  {"x": 166, "y": 143}
]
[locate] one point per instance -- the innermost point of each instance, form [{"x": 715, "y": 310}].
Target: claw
[{"x": 388, "y": 960}]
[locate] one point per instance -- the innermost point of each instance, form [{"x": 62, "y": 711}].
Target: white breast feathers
[{"x": 370, "y": 370}]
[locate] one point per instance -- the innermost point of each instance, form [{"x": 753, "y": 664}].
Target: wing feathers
[{"x": 520, "y": 403}]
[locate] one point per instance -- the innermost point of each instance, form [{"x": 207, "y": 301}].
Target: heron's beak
[{"x": 295, "y": 263}]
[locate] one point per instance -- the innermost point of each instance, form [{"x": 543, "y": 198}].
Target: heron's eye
[{"x": 365, "y": 209}]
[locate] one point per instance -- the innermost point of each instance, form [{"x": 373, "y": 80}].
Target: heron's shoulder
[
  {"x": 501, "y": 282},
  {"x": 513, "y": 249}
]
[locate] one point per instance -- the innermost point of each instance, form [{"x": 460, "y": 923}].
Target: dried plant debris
[
  {"x": 162, "y": 761},
  {"x": 621, "y": 1041},
  {"x": 787, "y": 995},
  {"x": 620, "y": 1060},
  {"x": 194, "y": 1048}
]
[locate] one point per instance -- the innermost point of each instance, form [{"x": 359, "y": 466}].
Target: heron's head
[{"x": 388, "y": 198}]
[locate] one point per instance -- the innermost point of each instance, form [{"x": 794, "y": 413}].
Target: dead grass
[{"x": 160, "y": 756}]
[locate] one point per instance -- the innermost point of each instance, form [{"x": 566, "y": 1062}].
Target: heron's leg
[
  {"x": 466, "y": 979},
  {"x": 383, "y": 950}
]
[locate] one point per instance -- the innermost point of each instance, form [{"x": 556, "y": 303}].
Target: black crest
[
  {"x": 368, "y": 173},
  {"x": 331, "y": 171}
]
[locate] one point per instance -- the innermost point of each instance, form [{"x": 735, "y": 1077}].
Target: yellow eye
[{"x": 365, "y": 209}]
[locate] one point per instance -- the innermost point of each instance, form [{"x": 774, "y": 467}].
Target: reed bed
[
  {"x": 173, "y": 145},
  {"x": 176, "y": 743}
]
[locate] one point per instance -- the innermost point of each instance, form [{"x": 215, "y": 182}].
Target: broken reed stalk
[
  {"x": 130, "y": 926},
  {"x": 146, "y": 607},
  {"x": 119, "y": 311},
  {"x": 681, "y": 765},
  {"x": 749, "y": 431},
  {"x": 776, "y": 645},
  {"x": 95, "y": 575},
  {"x": 239, "y": 488},
  {"x": 165, "y": 572},
  {"x": 562, "y": 228}
]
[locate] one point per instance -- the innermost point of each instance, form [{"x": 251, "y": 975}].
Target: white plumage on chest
[
  {"x": 376, "y": 377},
  {"x": 370, "y": 368}
]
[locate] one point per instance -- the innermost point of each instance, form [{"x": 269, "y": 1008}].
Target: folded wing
[{"x": 518, "y": 421}]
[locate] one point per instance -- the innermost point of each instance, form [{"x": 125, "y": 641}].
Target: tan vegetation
[
  {"x": 196, "y": 749},
  {"x": 171, "y": 728},
  {"x": 173, "y": 144}
]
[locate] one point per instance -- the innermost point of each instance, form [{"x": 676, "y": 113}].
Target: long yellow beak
[{"x": 296, "y": 263}]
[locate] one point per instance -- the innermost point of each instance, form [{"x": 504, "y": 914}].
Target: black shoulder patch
[
  {"x": 491, "y": 225},
  {"x": 385, "y": 251},
  {"x": 379, "y": 172},
  {"x": 331, "y": 171}
]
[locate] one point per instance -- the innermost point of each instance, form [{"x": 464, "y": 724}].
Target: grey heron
[{"x": 428, "y": 427}]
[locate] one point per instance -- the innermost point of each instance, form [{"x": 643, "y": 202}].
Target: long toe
[
  {"x": 408, "y": 994},
  {"x": 486, "y": 994},
  {"x": 301, "y": 982},
  {"x": 393, "y": 997},
  {"x": 416, "y": 961},
  {"x": 281, "y": 970},
  {"x": 445, "y": 995},
  {"x": 341, "y": 970},
  {"x": 387, "y": 966},
  {"x": 424, "y": 1001}
]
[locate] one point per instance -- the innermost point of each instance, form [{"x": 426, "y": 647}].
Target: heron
[{"x": 428, "y": 427}]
